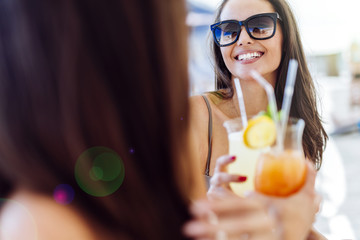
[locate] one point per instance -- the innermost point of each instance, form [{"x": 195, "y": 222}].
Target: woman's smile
[{"x": 247, "y": 57}]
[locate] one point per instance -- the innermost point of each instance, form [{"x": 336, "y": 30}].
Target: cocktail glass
[
  {"x": 246, "y": 158},
  {"x": 281, "y": 172}
]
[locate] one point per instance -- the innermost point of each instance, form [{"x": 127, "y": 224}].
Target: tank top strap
[{"x": 207, "y": 169}]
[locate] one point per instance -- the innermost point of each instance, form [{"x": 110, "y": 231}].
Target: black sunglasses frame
[{"x": 273, "y": 16}]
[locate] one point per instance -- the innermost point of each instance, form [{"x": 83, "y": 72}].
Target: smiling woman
[
  {"x": 249, "y": 35},
  {"x": 327, "y": 30},
  {"x": 269, "y": 56}
]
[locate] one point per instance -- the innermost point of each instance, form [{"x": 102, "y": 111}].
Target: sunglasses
[{"x": 260, "y": 27}]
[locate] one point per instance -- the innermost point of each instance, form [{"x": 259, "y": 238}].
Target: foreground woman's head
[{"x": 77, "y": 76}]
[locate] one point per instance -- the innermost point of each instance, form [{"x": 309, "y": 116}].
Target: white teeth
[{"x": 248, "y": 56}]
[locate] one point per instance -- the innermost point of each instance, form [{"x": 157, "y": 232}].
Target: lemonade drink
[
  {"x": 246, "y": 157},
  {"x": 245, "y": 163}
]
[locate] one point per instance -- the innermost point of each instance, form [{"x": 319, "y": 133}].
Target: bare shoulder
[
  {"x": 40, "y": 217},
  {"x": 199, "y": 112},
  {"x": 199, "y": 107},
  {"x": 199, "y": 120},
  {"x": 219, "y": 107},
  {"x": 197, "y": 103}
]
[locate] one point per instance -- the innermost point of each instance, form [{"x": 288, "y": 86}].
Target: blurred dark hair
[
  {"x": 78, "y": 74},
  {"x": 304, "y": 98}
]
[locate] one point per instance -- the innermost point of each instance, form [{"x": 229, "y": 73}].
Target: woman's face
[{"x": 267, "y": 52}]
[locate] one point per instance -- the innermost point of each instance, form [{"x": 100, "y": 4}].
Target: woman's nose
[{"x": 244, "y": 37}]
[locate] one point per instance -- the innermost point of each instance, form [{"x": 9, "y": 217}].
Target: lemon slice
[{"x": 260, "y": 132}]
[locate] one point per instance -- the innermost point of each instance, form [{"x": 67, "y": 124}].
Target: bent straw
[
  {"x": 288, "y": 93},
  {"x": 272, "y": 104},
  {"x": 241, "y": 102}
]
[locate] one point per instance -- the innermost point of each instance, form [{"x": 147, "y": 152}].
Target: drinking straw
[
  {"x": 269, "y": 92},
  {"x": 288, "y": 93},
  {"x": 241, "y": 102},
  {"x": 272, "y": 104}
]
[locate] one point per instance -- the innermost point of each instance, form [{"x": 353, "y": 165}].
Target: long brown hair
[
  {"x": 77, "y": 74},
  {"x": 304, "y": 98}
]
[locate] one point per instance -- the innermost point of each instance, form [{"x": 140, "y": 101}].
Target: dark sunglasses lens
[
  {"x": 226, "y": 33},
  {"x": 261, "y": 27}
]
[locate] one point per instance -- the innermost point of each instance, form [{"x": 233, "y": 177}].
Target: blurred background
[{"x": 331, "y": 37}]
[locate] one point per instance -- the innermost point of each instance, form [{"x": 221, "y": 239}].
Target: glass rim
[{"x": 292, "y": 120}]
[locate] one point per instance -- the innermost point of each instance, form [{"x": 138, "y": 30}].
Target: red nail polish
[
  {"x": 242, "y": 178},
  {"x": 233, "y": 158}
]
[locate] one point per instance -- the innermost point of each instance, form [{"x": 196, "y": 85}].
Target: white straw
[
  {"x": 269, "y": 92},
  {"x": 241, "y": 102},
  {"x": 272, "y": 104},
  {"x": 288, "y": 93}
]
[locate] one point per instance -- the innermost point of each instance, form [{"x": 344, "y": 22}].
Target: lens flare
[
  {"x": 99, "y": 171},
  {"x": 64, "y": 194}
]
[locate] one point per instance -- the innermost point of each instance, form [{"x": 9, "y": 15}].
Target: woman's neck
[{"x": 255, "y": 97}]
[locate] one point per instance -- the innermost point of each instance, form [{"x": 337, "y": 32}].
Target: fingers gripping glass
[{"x": 260, "y": 27}]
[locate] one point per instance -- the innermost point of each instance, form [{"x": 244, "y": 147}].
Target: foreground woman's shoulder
[{"x": 40, "y": 217}]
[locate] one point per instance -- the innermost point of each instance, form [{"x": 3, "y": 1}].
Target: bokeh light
[
  {"x": 64, "y": 194},
  {"x": 99, "y": 171},
  {"x": 14, "y": 213}
]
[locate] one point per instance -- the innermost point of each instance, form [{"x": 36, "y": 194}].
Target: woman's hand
[
  {"x": 231, "y": 218},
  {"x": 251, "y": 217},
  {"x": 219, "y": 183}
]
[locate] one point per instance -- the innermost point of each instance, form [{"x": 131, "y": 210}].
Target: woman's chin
[{"x": 244, "y": 75}]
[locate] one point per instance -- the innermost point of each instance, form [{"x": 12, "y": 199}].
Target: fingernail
[
  {"x": 233, "y": 158},
  {"x": 242, "y": 178}
]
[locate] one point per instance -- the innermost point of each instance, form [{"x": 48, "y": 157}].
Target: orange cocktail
[
  {"x": 283, "y": 172},
  {"x": 280, "y": 174}
]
